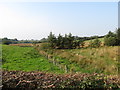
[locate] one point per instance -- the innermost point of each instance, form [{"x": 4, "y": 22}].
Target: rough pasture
[{"x": 22, "y": 44}]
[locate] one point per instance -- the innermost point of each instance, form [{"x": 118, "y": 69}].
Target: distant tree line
[
  {"x": 8, "y": 41},
  {"x": 15, "y": 41},
  {"x": 69, "y": 41}
]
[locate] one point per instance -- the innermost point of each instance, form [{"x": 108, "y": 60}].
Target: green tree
[
  {"x": 110, "y": 34},
  {"x": 70, "y": 41},
  {"x": 111, "y": 39},
  {"x": 6, "y": 41},
  {"x": 118, "y": 36},
  {"x": 52, "y": 40},
  {"x": 66, "y": 41},
  {"x": 60, "y": 42},
  {"x": 43, "y": 40}
]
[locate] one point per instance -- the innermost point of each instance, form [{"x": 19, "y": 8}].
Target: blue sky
[{"x": 34, "y": 20}]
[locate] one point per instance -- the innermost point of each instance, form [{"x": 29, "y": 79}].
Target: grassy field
[
  {"x": 101, "y": 39},
  {"x": 87, "y": 42},
  {"x": 25, "y": 59},
  {"x": 60, "y": 68},
  {"x": 86, "y": 60}
]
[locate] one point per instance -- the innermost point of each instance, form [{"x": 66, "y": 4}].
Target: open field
[
  {"x": 26, "y": 59},
  {"x": 60, "y": 68},
  {"x": 88, "y": 60}
]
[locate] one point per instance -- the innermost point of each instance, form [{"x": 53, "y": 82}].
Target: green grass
[
  {"x": 84, "y": 60},
  {"x": 101, "y": 39},
  {"x": 89, "y": 60},
  {"x": 25, "y": 59}
]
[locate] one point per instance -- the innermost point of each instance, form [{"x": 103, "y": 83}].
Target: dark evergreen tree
[
  {"x": 52, "y": 40},
  {"x": 60, "y": 43},
  {"x": 70, "y": 40},
  {"x": 66, "y": 41},
  {"x": 110, "y": 34}
]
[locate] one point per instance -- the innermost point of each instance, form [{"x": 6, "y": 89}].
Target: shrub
[
  {"x": 110, "y": 41},
  {"x": 45, "y": 46},
  {"x": 96, "y": 43}
]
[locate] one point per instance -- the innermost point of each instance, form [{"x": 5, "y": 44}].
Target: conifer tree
[{"x": 52, "y": 40}]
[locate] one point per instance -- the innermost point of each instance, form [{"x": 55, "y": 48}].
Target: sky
[
  {"x": 35, "y": 20},
  {"x": 119, "y": 14}
]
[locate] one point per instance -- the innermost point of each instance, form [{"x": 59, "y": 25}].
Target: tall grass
[
  {"x": 100, "y": 60},
  {"x": 87, "y": 60}
]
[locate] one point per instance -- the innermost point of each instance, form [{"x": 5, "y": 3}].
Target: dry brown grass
[
  {"x": 65, "y": 55},
  {"x": 103, "y": 59},
  {"x": 22, "y": 44}
]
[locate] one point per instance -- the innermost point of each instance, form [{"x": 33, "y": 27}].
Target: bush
[
  {"x": 96, "y": 43},
  {"x": 110, "y": 41},
  {"x": 45, "y": 46}
]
